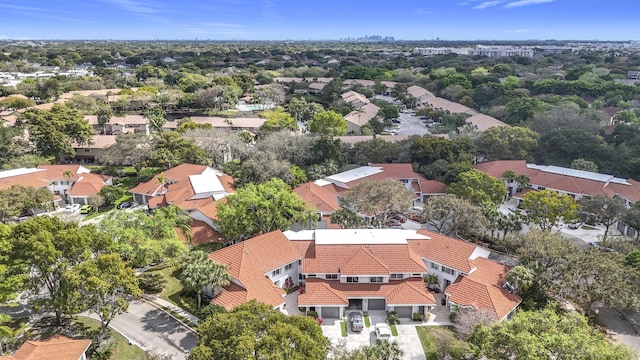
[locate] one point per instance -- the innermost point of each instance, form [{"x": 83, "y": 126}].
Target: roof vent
[{"x": 246, "y": 251}]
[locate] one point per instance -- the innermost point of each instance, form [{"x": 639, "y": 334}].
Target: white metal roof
[
  {"x": 354, "y": 174},
  {"x": 206, "y": 182},
  {"x": 19, "y": 171},
  {"x": 578, "y": 173}
]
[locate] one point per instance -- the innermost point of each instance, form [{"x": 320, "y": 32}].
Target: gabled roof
[
  {"x": 87, "y": 185},
  {"x": 482, "y": 289},
  {"x": 364, "y": 261},
  {"x": 482, "y": 122},
  {"x": 249, "y": 260},
  {"x": 446, "y": 105},
  {"x": 453, "y": 253},
  {"x": 57, "y": 172},
  {"x": 363, "y": 116},
  {"x": 57, "y": 347},
  {"x": 201, "y": 233},
  {"x": 497, "y": 168},
  {"x": 418, "y": 92},
  {"x": 402, "y": 292},
  {"x": 352, "y": 96},
  {"x": 323, "y": 198}
]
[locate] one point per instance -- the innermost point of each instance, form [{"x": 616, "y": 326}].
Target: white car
[
  {"x": 383, "y": 331},
  {"x": 72, "y": 208}
]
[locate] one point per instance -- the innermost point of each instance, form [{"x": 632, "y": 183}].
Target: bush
[
  {"x": 417, "y": 317},
  {"x": 392, "y": 318},
  {"x": 151, "y": 283},
  {"x": 313, "y": 314},
  {"x": 210, "y": 310}
]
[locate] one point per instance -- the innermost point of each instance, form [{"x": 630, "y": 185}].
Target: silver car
[
  {"x": 383, "y": 331},
  {"x": 357, "y": 321}
]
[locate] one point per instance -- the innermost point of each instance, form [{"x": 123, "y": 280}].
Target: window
[
  {"x": 447, "y": 270},
  {"x": 397, "y": 276},
  {"x": 375, "y": 279},
  {"x": 288, "y": 266},
  {"x": 434, "y": 266},
  {"x": 87, "y": 150},
  {"x": 275, "y": 272},
  {"x": 331, "y": 276},
  {"x": 301, "y": 277},
  {"x": 311, "y": 275},
  {"x": 352, "y": 279}
]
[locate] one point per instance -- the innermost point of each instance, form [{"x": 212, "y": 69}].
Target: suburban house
[
  {"x": 366, "y": 269},
  {"x": 322, "y": 198},
  {"x": 355, "y": 99},
  {"x": 91, "y": 153},
  {"x": 575, "y": 183},
  {"x": 119, "y": 125},
  {"x": 196, "y": 189},
  {"x": 57, "y": 347},
  {"x": 420, "y": 94},
  {"x": 360, "y": 117},
  {"x": 75, "y": 183}
]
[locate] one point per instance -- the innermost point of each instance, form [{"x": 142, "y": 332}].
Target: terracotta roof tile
[
  {"x": 201, "y": 233},
  {"x": 402, "y": 292},
  {"x": 57, "y": 347},
  {"x": 445, "y": 250},
  {"x": 57, "y": 172},
  {"x": 364, "y": 261},
  {"x": 87, "y": 185},
  {"x": 323, "y": 198}
]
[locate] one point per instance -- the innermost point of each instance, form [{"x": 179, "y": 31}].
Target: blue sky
[{"x": 319, "y": 19}]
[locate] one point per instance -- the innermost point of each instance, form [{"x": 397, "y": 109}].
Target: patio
[{"x": 291, "y": 307}]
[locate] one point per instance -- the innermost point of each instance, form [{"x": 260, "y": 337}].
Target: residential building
[
  {"x": 119, "y": 125},
  {"x": 57, "y": 347},
  {"x": 196, "y": 189},
  {"x": 482, "y": 122},
  {"x": 365, "y": 83},
  {"x": 365, "y": 269},
  {"x": 251, "y": 124},
  {"x": 359, "y": 118},
  {"x": 420, "y": 94},
  {"x": 355, "y": 99},
  {"x": 92, "y": 153}
]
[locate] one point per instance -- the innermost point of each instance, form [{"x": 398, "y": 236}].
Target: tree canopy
[
  {"x": 379, "y": 199},
  {"x": 478, "y": 187},
  {"x": 328, "y": 123},
  {"x": 257, "y": 331},
  {"x": 546, "y": 208}
]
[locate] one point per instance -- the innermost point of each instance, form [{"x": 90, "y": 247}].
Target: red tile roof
[
  {"x": 482, "y": 289},
  {"x": 57, "y": 347},
  {"x": 497, "y": 168},
  {"x": 249, "y": 260},
  {"x": 87, "y": 185},
  {"x": 57, "y": 172},
  {"x": 323, "y": 198},
  {"x": 201, "y": 233},
  {"x": 444, "y": 250},
  {"x": 402, "y": 292}
]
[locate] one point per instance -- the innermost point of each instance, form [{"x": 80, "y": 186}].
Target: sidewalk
[{"x": 174, "y": 309}]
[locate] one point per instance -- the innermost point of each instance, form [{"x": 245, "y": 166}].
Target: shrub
[
  {"x": 418, "y": 317},
  {"x": 151, "y": 283},
  {"x": 392, "y": 318},
  {"x": 210, "y": 310},
  {"x": 313, "y": 314}
]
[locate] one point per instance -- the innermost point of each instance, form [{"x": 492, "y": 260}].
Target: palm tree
[{"x": 199, "y": 272}]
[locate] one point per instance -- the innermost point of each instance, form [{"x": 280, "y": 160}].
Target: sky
[{"x": 319, "y": 19}]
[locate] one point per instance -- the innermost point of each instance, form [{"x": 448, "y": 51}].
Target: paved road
[
  {"x": 619, "y": 328},
  {"x": 152, "y": 329},
  {"x": 410, "y": 125}
]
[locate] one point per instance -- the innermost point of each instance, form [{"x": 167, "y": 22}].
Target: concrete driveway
[{"x": 407, "y": 338}]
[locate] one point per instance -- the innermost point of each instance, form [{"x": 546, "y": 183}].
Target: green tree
[
  {"x": 478, "y": 187},
  {"x": 106, "y": 284},
  {"x": 522, "y": 109},
  {"x": 545, "y": 334},
  {"x": 104, "y": 114},
  {"x": 278, "y": 120},
  {"x": 111, "y": 194},
  {"x": 379, "y": 199},
  {"x": 11, "y": 276},
  {"x": 328, "y": 123},
  {"x": 257, "y": 331},
  {"x": 585, "y": 165},
  {"x": 157, "y": 118},
  {"x": 451, "y": 215},
  {"x": 546, "y": 208},
  {"x": 53, "y": 131},
  {"x": 258, "y": 209},
  {"x": 447, "y": 346},
  {"x": 96, "y": 200},
  {"x": 303, "y": 111},
  {"x": 346, "y": 219},
  {"x": 48, "y": 250},
  {"x": 141, "y": 240},
  {"x": 428, "y": 149},
  {"x": 26, "y": 160},
  {"x": 508, "y": 143},
  {"x": 171, "y": 149},
  {"x": 521, "y": 278},
  {"x": 19, "y": 200},
  {"x": 604, "y": 210},
  {"x": 457, "y": 79},
  {"x": 199, "y": 272}
]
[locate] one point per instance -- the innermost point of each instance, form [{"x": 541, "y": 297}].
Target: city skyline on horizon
[{"x": 328, "y": 20}]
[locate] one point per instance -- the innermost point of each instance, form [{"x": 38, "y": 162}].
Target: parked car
[
  {"x": 400, "y": 217},
  {"x": 85, "y": 209},
  {"x": 72, "y": 208},
  {"x": 124, "y": 205},
  {"x": 383, "y": 331},
  {"x": 392, "y": 222},
  {"x": 574, "y": 225},
  {"x": 356, "y": 320},
  {"x": 395, "y": 121}
]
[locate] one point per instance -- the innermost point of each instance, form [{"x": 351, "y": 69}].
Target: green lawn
[
  {"x": 173, "y": 288},
  {"x": 428, "y": 343},
  {"x": 121, "y": 348}
]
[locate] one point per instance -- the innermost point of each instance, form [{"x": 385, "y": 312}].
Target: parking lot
[{"x": 407, "y": 338}]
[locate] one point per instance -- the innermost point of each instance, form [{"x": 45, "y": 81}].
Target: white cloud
[
  {"x": 488, "y": 4},
  {"x": 521, "y": 3}
]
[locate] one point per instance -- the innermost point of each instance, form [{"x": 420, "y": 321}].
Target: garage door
[
  {"x": 377, "y": 304},
  {"x": 331, "y": 312},
  {"x": 403, "y": 311}
]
